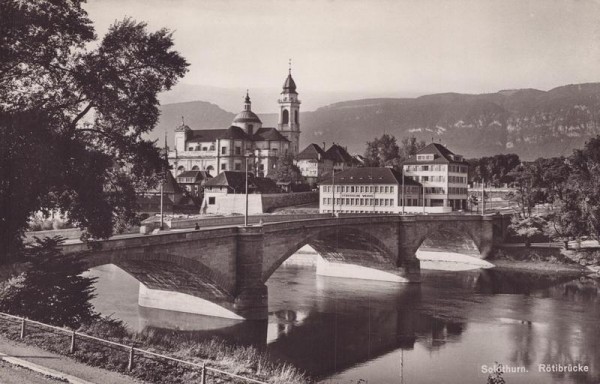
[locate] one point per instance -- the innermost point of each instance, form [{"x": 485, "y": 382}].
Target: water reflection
[{"x": 343, "y": 330}]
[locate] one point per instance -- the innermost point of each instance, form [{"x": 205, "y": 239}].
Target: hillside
[{"x": 529, "y": 122}]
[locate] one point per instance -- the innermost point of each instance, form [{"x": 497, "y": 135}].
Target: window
[
  {"x": 223, "y": 150},
  {"x": 211, "y": 200},
  {"x": 238, "y": 150},
  {"x": 261, "y": 167},
  {"x": 285, "y": 118},
  {"x": 204, "y": 148},
  {"x": 238, "y": 166},
  {"x": 223, "y": 167}
]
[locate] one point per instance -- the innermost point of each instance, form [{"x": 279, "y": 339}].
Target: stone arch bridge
[{"x": 229, "y": 266}]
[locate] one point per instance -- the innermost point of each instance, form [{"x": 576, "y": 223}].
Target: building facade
[
  {"x": 313, "y": 163},
  {"x": 218, "y": 150},
  {"x": 443, "y": 175},
  {"x": 370, "y": 190}
]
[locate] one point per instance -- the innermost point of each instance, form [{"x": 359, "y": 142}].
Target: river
[{"x": 445, "y": 330}]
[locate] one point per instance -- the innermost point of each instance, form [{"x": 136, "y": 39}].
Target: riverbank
[
  {"x": 543, "y": 267},
  {"x": 546, "y": 259},
  {"x": 215, "y": 353}
]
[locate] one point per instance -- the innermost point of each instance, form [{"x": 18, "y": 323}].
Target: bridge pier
[{"x": 251, "y": 299}]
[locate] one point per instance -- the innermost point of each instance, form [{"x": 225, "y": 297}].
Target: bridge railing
[{"x": 131, "y": 353}]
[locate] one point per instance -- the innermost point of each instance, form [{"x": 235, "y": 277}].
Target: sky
[{"x": 375, "y": 48}]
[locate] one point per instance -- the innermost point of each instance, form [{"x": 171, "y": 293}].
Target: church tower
[{"x": 289, "y": 113}]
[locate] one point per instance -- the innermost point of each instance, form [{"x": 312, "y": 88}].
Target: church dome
[{"x": 246, "y": 117}]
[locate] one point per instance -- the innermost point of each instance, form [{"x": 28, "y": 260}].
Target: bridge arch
[
  {"x": 199, "y": 269},
  {"x": 463, "y": 230},
  {"x": 327, "y": 242}
]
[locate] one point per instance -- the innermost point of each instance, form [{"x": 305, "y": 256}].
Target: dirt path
[{"x": 58, "y": 363}]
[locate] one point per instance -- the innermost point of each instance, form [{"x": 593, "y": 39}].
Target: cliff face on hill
[{"x": 528, "y": 122}]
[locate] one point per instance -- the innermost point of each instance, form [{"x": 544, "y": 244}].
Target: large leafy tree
[{"x": 73, "y": 114}]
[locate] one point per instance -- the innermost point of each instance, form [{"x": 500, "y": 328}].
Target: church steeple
[{"x": 289, "y": 112}]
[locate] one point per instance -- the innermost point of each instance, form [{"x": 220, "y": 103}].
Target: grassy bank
[
  {"x": 245, "y": 361},
  {"x": 543, "y": 260}
]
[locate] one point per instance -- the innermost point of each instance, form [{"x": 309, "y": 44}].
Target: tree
[
  {"x": 584, "y": 186},
  {"x": 72, "y": 118},
  {"x": 52, "y": 290},
  {"x": 527, "y": 227},
  {"x": 410, "y": 146},
  {"x": 383, "y": 151},
  {"x": 286, "y": 171},
  {"x": 527, "y": 190},
  {"x": 495, "y": 170}
]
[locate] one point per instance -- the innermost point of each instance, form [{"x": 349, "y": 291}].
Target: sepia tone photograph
[{"x": 300, "y": 191}]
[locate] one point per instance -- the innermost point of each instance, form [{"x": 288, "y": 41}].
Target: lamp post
[
  {"x": 162, "y": 215},
  {"x": 248, "y": 155},
  {"x": 333, "y": 191}
]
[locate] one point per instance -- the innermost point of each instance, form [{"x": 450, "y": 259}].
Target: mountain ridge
[{"x": 530, "y": 122}]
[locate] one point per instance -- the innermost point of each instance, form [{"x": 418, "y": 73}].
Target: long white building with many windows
[
  {"x": 443, "y": 175},
  {"x": 368, "y": 190}
]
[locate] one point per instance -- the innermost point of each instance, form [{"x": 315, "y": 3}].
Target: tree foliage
[
  {"x": 495, "y": 170},
  {"x": 52, "y": 290},
  {"x": 385, "y": 151},
  {"x": 286, "y": 171},
  {"x": 72, "y": 118}
]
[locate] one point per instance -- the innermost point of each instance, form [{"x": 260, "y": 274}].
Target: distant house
[
  {"x": 193, "y": 182},
  {"x": 340, "y": 157},
  {"x": 369, "y": 190},
  {"x": 443, "y": 175},
  {"x": 225, "y": 193},
  {"x": 149, "y": 200},
  {"x": 313, "y": 163}
]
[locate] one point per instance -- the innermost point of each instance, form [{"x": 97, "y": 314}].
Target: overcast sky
[{"x": 376, "y": 47}]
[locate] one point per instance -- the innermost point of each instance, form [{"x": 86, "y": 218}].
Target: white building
[
  {"x": 313, "y": 163},
  {"x": 368, "y": 190},
  {"x": 443, "y": 175},
  {"x": 218, "y": 150}
]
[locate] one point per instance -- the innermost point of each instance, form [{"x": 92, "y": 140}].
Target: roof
[
  {"x": 169, "y": 186},
  {"x": 339, "y": 154},
  {"x": 182, "y": 127},
  {"x": 210, "y": 135},
  {"x": 441, "y": 155},
  {"x": 237, "y": 181},
  {"x": 271, "y": 134},
  {"x": 197, "y": 175},
  {"x": 369, "y": 175},
  {"x": 247, "y": 117},
  {"x": 232, "y": 179},
  {"x": 236, "y": 133},
  {"x": 289, "y": 86},
  {"x": 312, "y": 152}
]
